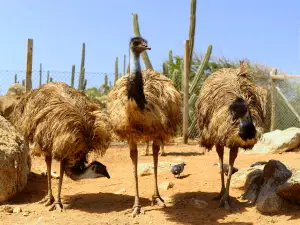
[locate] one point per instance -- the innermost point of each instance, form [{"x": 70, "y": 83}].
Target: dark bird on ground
[
  {"x": 177, "y": 169},
  {"x": 226, "y": 168},
  {"x": 230, "y": 113}
]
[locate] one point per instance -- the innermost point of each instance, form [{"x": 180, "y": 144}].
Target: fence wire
[{"x": 287, "y": 95}]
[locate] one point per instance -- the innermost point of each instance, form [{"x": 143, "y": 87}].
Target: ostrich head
[
  {"x": 94, "y": 170},
  {"x": 138, "y": 45},
  {"x": 240, "y": 111},
  {"x": 77, "y": 170}
]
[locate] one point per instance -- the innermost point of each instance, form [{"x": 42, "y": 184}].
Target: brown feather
[
  {"x": 219, "y": 90},
  {"x": 60, "y": 121},
  {"x": 159, "y": 119}
]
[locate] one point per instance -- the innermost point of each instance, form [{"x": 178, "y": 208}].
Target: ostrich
[
  {"x": 163, "y": 153},
  {"x": 144, "y": 105},
  {"x": 230, "y": 111},
  {"x": 62, "y": 124}
]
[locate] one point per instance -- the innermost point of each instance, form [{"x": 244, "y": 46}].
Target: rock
[
  {"x": 14, "y": 161},
  {"x": 275, "y": 174},
  {"x": 6, "y": 208},
  {"x": 17, "y": 210},
  {"x": 169, "y": 200},
  {"x": 40, "y": 220},
  {"x": 26, "y": 214},
  {"x": 145, "y": 169},
  {"x": 199, "y": 204},
  {"x": 278, "y": 141},
  {"x": 269, "y": 203},
  {"x": 120, "y": 191},
  {"x": 166, "y": 185},
  {"x": 290, "y": 190},
  {"x": 244, "y": 177}
]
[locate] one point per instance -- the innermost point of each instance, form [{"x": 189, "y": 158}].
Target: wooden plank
[
  {"x": 28, "y": 84},
  {"x": 284, "y": 77},
  {"x": 186, "y": 72}
]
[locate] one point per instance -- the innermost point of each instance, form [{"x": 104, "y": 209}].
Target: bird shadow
[
  {"x": 183, "y": 176},
  {"x": 184, "y": 153},
  {"x": 182, "y": 211},
  {"x": 101, "y": 202},
  {"x": 35, "y": 190}
]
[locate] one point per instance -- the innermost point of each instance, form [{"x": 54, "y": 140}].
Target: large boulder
[
  {"x": 290, "y": 190},
  {"x": 14, "y": 161},
  {"x": 275, "y": 174},
  {"x": 278, "y": 141}
]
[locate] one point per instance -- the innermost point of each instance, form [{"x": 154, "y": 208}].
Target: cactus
[
  {"x": 128, "y": 68},
  {"x": 48, "y": 76},
  {"x": 196, "y": 83},
  {"x": 170, "y": 57},
  {"x": 23, "y": 83},
  {"x": 81, "y": 79},
  {"x": 82, "y": 69},
  {"x": 73, "y": 76},
  {"x": 110, "y": 84},
  {"x": 16, "y": 78},
  {"x": 166, "y": 69},
  {"x": 105, "y": 80},
  {"x": 136, "y": 30},
  {"x": 177, "y": 79},
  {"x": 51, "y": 79},
  {"x": 84, "y": 84},
  {"x": 192, "y": 29},
  {"x": 116, "y": 70},
  {"x": 124, "y": 68},
  {"x": 41, "y": 74}
]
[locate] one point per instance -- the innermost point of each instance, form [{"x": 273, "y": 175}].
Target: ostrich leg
[
  {"x": 225, "y": 200},
  {"x": 147, "y": 148},
  {"x": 162, "y": 150},
  {"x": 49, "y": 199},
  {"x": 220, "y": 151},
  {"x": 134, "y": 159},
  {"x": 156, "y": 199},
  {"x": 57, "y": 204}
]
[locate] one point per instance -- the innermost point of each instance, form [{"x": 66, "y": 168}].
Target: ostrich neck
[{"x": 135, "y": 86}]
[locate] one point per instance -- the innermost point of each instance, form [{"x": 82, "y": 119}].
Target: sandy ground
[{"x": 90, "y": 202}]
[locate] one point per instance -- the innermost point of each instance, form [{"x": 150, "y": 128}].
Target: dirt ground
[{"x": 90, "y": 202}]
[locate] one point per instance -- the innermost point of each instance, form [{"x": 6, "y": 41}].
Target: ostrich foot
[
  {"x": 219, "y": 196},
  {"x": 58, "y": 206},
  {"x": 163, "y": 154},
  {"x": 48, "y": 200},
  {"x": 157, "y": 200},
  {"x": 137, "y": 209},
  {"x": 227, "y": 204}
]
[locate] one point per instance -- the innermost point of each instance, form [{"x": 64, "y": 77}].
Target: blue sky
[{"x": 263, "y": 31}]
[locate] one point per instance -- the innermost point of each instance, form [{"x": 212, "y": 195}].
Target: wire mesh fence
[{"x": 287, "y": 95}]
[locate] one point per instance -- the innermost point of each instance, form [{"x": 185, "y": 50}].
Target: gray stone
[
  {"x": 198, "y": 204},
  {"x": 290, "y": 190}
]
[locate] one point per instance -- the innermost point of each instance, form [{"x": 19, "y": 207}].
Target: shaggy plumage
[
  {"x": 215, "y": 121},
  {"x": 144, "y": 105},
  {"x": 162, "y": 113},
  {"x": 230, "y": 112},
  {"x": 61, "y": 123}
]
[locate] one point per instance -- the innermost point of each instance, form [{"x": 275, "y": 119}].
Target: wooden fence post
[
  {"x": 186, "y": 72},
  {"x": 28, "y": 85},
  {"x": 273, "y": 100}
]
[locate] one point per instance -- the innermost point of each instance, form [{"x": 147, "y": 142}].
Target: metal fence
[{"x": 287, "y": 95}]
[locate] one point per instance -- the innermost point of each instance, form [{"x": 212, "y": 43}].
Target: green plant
[
  {"x": 73, "y": 76},
  {"x": 137, "y": 33}
]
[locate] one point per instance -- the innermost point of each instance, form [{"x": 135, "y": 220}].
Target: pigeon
[
  {"x": 226, "y": 168},
  {"x": 177, "y": 169}
]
